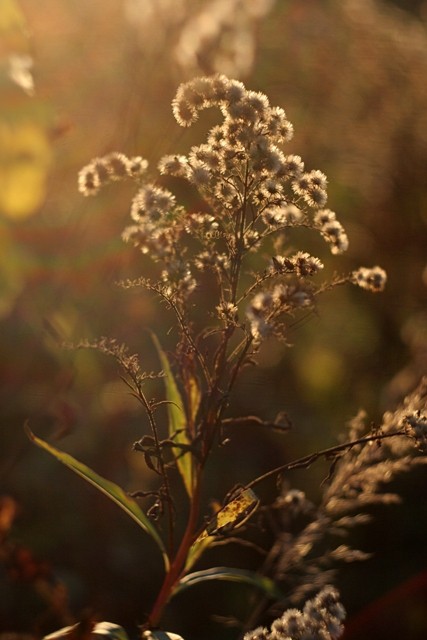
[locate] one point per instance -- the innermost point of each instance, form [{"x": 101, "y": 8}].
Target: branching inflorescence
[{"x": 254, "y": 195}]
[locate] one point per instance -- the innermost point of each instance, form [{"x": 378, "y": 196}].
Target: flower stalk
[{"x": 255, "y": 196}]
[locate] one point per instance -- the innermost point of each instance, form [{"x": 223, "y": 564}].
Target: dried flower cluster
[
  {"x": 207, "y": 37},
  {"x": 254, "y": 192},
  {"x": 254, "y": 195},
  {"x": 308, "y": 537},
  {"x": 321, "y": 618},
  {"x": 112, "y": 167},
  {"x": 371, "y": 279}
]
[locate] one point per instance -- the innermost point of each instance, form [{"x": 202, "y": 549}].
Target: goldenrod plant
[{"x": 231, "y": 278}]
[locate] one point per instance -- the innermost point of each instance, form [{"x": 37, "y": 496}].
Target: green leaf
[
  {"x": 197, "y": 549},
  {"x": 110, "y": 489},
  {"x": 232, "y": 575},
  {"x": 177, "y": 422}
]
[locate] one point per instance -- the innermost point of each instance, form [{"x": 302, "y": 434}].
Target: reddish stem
[{"x": 177, "y": 566}]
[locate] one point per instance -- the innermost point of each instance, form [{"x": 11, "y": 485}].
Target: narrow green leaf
[
  {"x": 232, "y": 575},
  {"x": 177, "y": 421},
  {"x": 110, "y": 489},
  {"x": 197, "y": 549}
]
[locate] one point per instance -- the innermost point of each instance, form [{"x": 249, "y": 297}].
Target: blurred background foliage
[{"x": 79, "y": 79}]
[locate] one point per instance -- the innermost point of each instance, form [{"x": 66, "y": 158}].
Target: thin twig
[
  {"x": 307, "y": 461},
  {"x": 139, "y": 394}
]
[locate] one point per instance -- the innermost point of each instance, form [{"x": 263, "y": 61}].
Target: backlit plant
[{"x": 254, "y": 196}]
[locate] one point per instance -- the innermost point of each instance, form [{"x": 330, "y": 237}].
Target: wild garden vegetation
[{"x": 194, "y": 373}]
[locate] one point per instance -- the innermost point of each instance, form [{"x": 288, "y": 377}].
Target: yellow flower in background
[{"x": 25, "y": 156}]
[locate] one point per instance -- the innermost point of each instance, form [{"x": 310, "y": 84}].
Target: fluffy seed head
[{"x": 373, "y": 279}]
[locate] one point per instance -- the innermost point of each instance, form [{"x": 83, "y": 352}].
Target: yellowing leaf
[
  {"x": 233, "y": 515},
  {"x": 177, "y": 422},
  {"x": 108, "y": 488},
  {"x": 194, "y": 397},
  {"x": 24, "y": 161}
]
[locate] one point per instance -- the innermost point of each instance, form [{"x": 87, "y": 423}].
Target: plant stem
[
  {"x": 307, "y": 461},
  {"x": 177, "y": 566}
]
